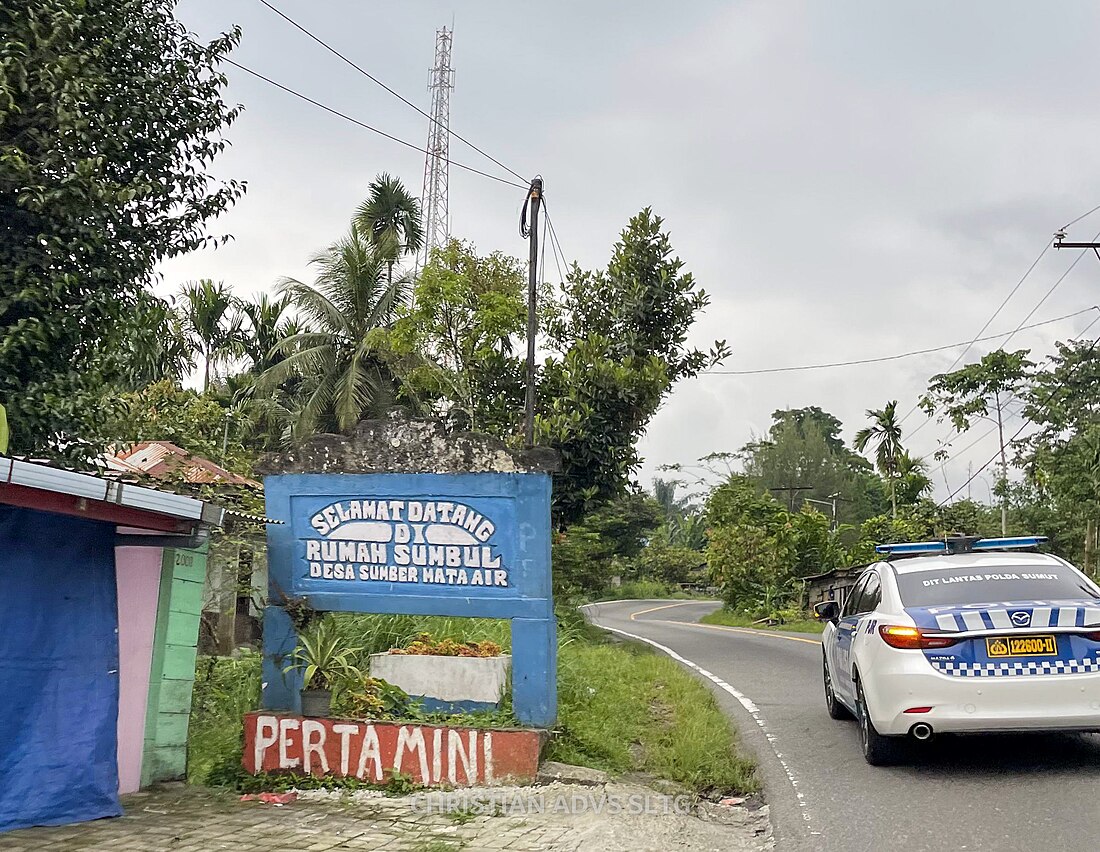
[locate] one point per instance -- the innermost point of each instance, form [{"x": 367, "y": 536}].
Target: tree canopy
[{"x": 110, "y": 116}]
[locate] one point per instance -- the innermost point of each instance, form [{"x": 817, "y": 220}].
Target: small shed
[
  {"x": 102, "y": 585},
  {"x": 831, "y": 586}
]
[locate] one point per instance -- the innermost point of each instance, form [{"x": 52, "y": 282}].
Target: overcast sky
[{"x": 845, "y": 179}]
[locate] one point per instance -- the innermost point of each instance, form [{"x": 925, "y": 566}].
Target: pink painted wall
[{"x": 138, "y": 579}]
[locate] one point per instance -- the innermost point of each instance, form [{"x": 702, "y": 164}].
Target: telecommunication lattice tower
[{"x": 433, "y": 200}]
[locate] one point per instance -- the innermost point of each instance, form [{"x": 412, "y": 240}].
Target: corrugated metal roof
[
  {"x": 44, "y": 477},
  {"x": 165, "y": 460}
]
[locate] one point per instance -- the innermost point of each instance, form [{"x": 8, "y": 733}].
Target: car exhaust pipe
[{"x": 921, "y": 731}]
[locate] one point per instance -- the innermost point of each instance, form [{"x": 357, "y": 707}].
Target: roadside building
[
  {"x": 831, "y": 586},
  {"x": 236, "y": 577},
  {"x": 99, "y": 615}
]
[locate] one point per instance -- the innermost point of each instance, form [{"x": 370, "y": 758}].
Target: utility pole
[
  {"x": 790, "y": 489},
  {"x": 1004, "y": 467},
  {"x": 534, "y": 199},
  {"x": 828, "y": 501}
]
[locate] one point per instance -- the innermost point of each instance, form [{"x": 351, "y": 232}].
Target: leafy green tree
[
  {"x": 982, "y": 391},
  {"x": 604, "y": 544},
  {"x": 341, "y": 355},
  {"x": 684, "y": 521},
  {"x": 758, "y": 550},
  {"x": 196, "y": 422},
  {"x": 619, "y": 337},
  {"x": 390, "y": 218},
  {"x": 110, "y": 116},
  {"x": 212, "y": 325},
  {"x": 268, "y": 326},
  {"x": 803, "y": 448},
  {"x": 884, "y": 434},
  {"x": 1059, "y": 496},
  {"x": 459, "y": 338}
]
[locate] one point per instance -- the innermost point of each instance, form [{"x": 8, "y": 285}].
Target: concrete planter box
[{"x": 451, "y": 684}]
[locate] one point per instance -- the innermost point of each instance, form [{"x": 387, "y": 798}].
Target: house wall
[
  {"x": 172, "y": 674},
  {"x": 137, "y": 575},
  {"x": 830, "y": 587}
]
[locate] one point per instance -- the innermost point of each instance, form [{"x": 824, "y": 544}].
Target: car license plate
[{"x": 1021, "y": 646}]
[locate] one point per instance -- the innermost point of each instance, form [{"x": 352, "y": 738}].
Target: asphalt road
[{"x": 1039, "y": 793}]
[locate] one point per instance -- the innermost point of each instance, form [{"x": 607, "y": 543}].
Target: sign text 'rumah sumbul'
[{"x": 442, "y": 542}]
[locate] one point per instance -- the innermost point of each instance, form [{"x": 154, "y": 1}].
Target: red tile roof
[{"x": 164, "y": 460}]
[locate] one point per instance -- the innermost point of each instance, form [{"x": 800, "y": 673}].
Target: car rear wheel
[
  {"x": 877, "y": 749},
  {"x": 832, "y": 704}
]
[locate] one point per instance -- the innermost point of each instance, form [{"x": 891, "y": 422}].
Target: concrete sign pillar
[{"x": 403, "y": 518}]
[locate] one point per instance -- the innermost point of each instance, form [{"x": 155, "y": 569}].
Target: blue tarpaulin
[{"x": 58, "y": 669}]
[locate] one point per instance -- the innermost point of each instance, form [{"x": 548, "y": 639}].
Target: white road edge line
[{"x": 744, "y": 701}]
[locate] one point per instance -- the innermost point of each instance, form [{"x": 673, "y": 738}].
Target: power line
[
  {"x": 556, "y": 245},
  {"x": 893, "y": 357},
  {"x": 365, "y": 126},
  {"x": 396, "y": 94},
  {"x": 1012, "y": 398},
  {"x": 1031, "y": 313},
  {"x": 1027, "y": 421},
  {"x": 988, "y": 322},
  {"x": 1053, "y": 287},
  {"x": 1079, "y": 218}
]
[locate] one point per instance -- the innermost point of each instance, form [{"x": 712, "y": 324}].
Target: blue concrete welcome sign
[{"x": 464, "y": 544}]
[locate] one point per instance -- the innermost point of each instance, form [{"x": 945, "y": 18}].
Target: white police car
[{"x": 970, "y": 635}]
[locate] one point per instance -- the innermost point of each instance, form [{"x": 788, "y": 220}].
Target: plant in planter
[
  {"x": 373, "y": 699},
  {"x": 323, "y": 661},
  {"x": 445, "y": 675}
]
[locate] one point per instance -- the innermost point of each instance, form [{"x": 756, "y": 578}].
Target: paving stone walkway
[{"x": 551, "y": 818}]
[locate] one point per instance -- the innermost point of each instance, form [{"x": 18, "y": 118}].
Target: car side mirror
[{"x": 827, "y": 611}]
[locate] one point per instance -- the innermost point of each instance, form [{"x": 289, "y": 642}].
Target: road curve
[{"x": 995, "y": 794}]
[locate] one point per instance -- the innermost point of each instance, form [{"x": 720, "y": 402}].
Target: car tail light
[
  {"x": 918, "y": 710},
  {"x": 911, "y": 638}
]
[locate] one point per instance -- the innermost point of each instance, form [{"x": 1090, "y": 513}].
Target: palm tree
[
  {"x": 912, "y": 477},
  {"x": 337, "y": 354},
  {"x": 885, "y": 433},
  {"x": 267, "y": 328},
  {"x": 211, "y": 324},
  {"x": 390, "y": 219},
  {"x": 158, "y": 346}
]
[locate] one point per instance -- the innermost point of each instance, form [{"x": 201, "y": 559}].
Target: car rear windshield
[{"x": 944, "y": 587}]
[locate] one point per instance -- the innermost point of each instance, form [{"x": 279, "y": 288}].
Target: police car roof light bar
[
  {"x": 960, "y": 544},
  {"x": 912, "y": 547},
  {"x": 1022, "y": 542}
]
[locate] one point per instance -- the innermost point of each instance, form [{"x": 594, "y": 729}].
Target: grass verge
[
  {"x": 622, "y": 707},
  {"x": 736, "y": 619}
]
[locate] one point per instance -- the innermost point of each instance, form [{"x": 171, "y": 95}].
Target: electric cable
[
  {"x": 366, "y": 126},
  {"x": 1053, "y": 287},
  {"x": 555, "y": 243},
  {"x": 1024, "y": 425},
  {"x": 396, "y": 94},
  {"x": 897, "y": 357},
  {"x": 988, "y": 322},
  {"x": 1012, "y": 398}
]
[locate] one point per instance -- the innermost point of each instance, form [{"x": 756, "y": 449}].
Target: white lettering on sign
[
  {"x": 361, "y": 750},
  {"x": 426, "y": 542}
]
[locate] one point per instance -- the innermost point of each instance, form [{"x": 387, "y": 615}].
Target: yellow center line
[
  {"x": 769, "y": 634},
  {"x": 663, "y": 606}
]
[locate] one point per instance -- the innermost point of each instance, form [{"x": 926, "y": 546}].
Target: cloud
[{"x": 846, "y": 180}]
